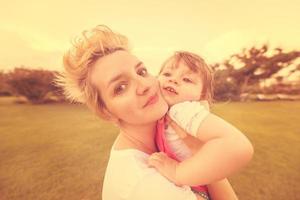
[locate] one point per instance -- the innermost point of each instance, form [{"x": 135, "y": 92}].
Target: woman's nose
[{"x": 143, "y": 86}]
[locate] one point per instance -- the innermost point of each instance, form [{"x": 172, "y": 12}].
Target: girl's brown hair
[{"x": 197, "y": 65}]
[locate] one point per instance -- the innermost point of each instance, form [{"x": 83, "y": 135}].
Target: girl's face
[
  {"x": 180, "y": 84},
  {"x": 129, "y": 92}
]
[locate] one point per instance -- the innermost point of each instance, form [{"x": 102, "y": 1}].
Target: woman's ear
[{"x": 111, "y": 117}]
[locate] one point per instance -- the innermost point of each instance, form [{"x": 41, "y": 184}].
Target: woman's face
[{"x": 129, "y": 92}]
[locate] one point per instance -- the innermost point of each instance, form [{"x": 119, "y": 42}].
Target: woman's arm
[{"x": 221, "y": 190}]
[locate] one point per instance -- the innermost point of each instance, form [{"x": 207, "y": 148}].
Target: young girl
[{"x": 186, "y": 84}]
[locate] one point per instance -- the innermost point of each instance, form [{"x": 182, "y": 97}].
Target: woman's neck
[{"x": 140, "y": 137}]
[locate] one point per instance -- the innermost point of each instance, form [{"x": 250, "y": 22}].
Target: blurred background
[{"x": 51, "y": 149}]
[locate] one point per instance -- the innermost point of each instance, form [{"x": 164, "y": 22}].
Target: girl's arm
[{"x": 224, "y": 151}]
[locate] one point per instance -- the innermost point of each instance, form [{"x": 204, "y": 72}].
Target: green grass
[
  {"x": 60, "y": 151},
  {"x": 274, "y": 130}
]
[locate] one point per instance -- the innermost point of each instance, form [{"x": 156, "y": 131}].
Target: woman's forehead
[{"x": 109, "y": 66}]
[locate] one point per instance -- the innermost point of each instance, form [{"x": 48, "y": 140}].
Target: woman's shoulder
[
  {"x": 125, "y": 169},
  {"x": 129, "y": 157},
  {"x": 128, "y": 176}
]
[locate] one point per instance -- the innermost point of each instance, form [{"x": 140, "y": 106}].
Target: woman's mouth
[{"x": 152, "y": 100}]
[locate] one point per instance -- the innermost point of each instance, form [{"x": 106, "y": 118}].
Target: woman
[{"x": 114, "y": 84}]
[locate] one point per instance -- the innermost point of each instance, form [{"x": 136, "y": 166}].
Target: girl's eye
[
  {"x": 187, "y": 80},
  {"x": 166, "y": 74},
  {"x": 142, "y": 72},
  {"x": 120, "y": 88}
]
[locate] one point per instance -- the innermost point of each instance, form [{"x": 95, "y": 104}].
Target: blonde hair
[
  {"x": 197, "y": 64},
  {"x": 78, "y": 63}
]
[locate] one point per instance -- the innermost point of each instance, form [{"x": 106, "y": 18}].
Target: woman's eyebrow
[
  {"x": 116, "y": 78},
  {"x": 119, "y": 76},
  {"x": 139, "y": 64}
]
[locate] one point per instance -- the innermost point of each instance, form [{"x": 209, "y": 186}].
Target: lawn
[{"x": 60, "y": 151}]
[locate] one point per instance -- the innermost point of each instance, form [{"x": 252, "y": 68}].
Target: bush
[
  {"x": 4, "y": 87},
  {"x": 225, "y": 88}
]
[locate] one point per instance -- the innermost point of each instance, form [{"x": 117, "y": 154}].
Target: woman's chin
[
  {"x": 160, "y": 112},
  {"x": 152, "y": 115}
]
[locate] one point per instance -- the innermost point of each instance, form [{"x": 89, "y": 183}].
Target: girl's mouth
[{"x": 170, "y": 90}]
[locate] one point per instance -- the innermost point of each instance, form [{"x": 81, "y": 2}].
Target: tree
[
  {"x": 224, "y": 87},
  {"x": 35, "y": 85},
  {"x": 256, "y": 64}
]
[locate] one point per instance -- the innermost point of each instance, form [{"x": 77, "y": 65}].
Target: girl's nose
[{"x": 173, "y": 80}]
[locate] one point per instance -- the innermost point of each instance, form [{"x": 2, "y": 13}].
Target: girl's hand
[{"x": 164, "y": 165}]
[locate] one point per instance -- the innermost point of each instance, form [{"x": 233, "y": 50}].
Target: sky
[{"x": 36, "y": 33}]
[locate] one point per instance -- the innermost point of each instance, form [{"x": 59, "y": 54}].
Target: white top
[
  {"x": 188, "y": 115},
  {"x": 128, "y": 177}
]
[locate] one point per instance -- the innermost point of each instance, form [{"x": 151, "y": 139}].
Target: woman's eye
[
  {"x": 187, "y": 80},
  {"x": 142, "y": 72},
  {"x": 166, "y": 74},
  {"x": 119, "y": 88}
]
